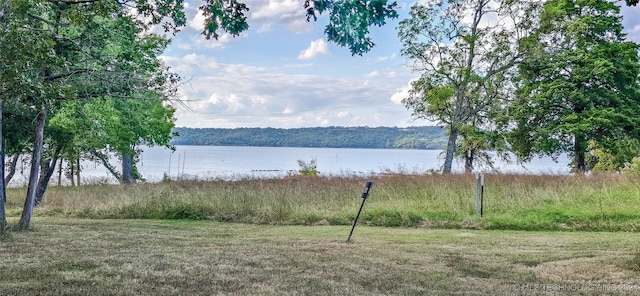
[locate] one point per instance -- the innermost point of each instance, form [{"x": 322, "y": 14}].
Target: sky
[{"x": 282, "y": 72}]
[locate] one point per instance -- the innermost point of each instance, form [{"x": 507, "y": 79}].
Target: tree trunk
[
  {"x": 468, "y": 160},
  {"x": 72, "y": 174},
  {"x": 127, "y": 168},
  {"x": 78, "y": 170},
  {"x": 105, "y": 162},
  {"x": 12, "y": 168},
  {"x": 3, "y": 191},
  {"x": 60, "y": 172},
  {"x": 579, "y": 149},
  {"x": 451, "y": 148},
  {"x": 46, "y": 171},
  {"x": 3, "y": 187},
  {"x": 27, "y": 210}
]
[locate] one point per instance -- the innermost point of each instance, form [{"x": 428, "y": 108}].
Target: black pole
[
  {"x": 481, "y": 200},
  {"x": 481, "y": 195},
  {"x": 365, "y": 194}
]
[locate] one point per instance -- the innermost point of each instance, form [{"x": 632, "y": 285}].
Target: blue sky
[{"x": 283, "y": 73}]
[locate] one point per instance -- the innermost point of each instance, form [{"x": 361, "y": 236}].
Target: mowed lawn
[{"x": 65, "y": 256}]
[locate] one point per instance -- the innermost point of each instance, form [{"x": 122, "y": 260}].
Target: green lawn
[{"x": 66, "y": 256}]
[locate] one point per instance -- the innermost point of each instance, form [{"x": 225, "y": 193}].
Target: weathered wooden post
[{"x": 479, "y": 193}]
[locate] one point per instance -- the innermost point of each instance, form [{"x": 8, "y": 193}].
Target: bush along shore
[{"x": 511, "y": 202}]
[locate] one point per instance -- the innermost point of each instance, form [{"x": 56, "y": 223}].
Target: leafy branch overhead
[
  {"x": 226, "y": 15},
  {"x": 349, "y": 21}
]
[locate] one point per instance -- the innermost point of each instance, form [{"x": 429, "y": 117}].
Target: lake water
[{"x": 225, "y": 162}]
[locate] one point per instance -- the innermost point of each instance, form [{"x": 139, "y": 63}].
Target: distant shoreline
[
  {"x": 422, "y": 137},
  {"x": 390, "y": 148}
]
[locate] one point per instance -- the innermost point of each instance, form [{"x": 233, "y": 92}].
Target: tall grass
[{"x": 524, "y": 202}]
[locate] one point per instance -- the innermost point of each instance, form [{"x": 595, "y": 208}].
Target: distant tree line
[{"x": 424, "y": 137}]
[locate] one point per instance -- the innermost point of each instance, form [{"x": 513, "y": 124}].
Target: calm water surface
[
  {"x": 206, "y": 162},
  {"x": 225, "y": 162}
]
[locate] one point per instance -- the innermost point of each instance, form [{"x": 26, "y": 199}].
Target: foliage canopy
[{"x": 578, "y": 83}]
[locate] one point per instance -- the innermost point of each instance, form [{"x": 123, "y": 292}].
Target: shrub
[{"x": 308, "y": 168}]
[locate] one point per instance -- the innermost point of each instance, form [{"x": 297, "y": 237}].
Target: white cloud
[
  {"x": 246, "y": 96},
  {"x": 256, "y": 81},
  {"x": 317, "y": 47},
  {"x": 191, "y": 64},
  {"x": 265, "y": 28},
  {"x": 401, "y": 93},
  {"x": 305, "y": 65},
  {"x": 299, "y": 25},
  {"x": 631, "y": 22},
  {"x": 383, "y": 73},
  {"x": 223, "y": 39},
  {"x": 242, "y": 70},
  {"x": 197, "y": 65},
  {"x": 230, "y": 104},
  {"x": 259, "y": 100},
  {"x": 634, "y": 34},
  {"x": 263, "y": 14},
  {"x": 372, "y": 74},
  {"x": 323, "y": 122},
  {"x": 184, "y": 46},
  {"x": 287, "y": 110},
  {"x": 343, "y": 114},
  {"x": 196, "y": 22},
  {"x": 264, "y": 9},
  {"x": 386, "y": 58}
]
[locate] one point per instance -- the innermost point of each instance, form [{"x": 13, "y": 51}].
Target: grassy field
[
  {"x": 512, "y": 202},
  {"x": 288, "y": 237},
  {"x": 66, "y": 256}
]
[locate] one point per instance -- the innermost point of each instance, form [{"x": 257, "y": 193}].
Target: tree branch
[
  {"x": 72, "y": 2},
  {"x": 68, "y": 74},
  {"x": 3, "y": 10},
  {"x": 107, "y": 165}
]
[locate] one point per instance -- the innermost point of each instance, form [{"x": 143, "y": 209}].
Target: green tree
[
  {"x": 135, "y": 122},
  {"x": 45, "y": 74},
  {"x": 462, "y": 63},
  {"x": 25, "y": 76},
  {"x": 613, "y": 159},
  {"x": 4, "y": 7},
  {"x": 62, "y": 67},
  {"x": 633, "y": 167},
  {"x": 134, "y": 111},
  {"x": 578, "y": 83}
]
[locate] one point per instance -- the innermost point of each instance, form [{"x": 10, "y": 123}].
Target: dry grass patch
[
  {"x": 151, "y": 257},
  {"x": 585, "y": 270}
]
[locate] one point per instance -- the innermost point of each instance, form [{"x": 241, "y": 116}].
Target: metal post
[
  {"x": 481, "y": 195},
  {"x": 365, "y": 194}
]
